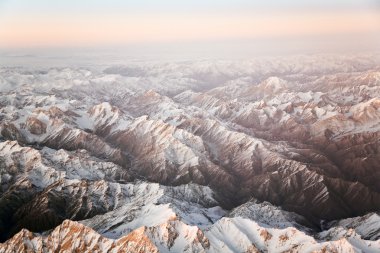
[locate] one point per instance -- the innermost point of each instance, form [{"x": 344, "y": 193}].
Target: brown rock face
[
  {"x": 35, "y": 126},
  {"x": 265, "y": 234},
  {"x": 11, "y": 132},
  {"x": 309, "y": 143},
  {"x": 68, "y": 237}
]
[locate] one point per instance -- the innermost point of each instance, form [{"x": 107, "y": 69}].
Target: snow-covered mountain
[{"x": 269, "y": 155}]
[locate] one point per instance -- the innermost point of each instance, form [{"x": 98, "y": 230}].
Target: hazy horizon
[{"x": 223, "y": 29}]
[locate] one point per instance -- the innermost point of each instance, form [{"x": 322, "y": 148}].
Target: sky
[{"x": 191, "y": 25}]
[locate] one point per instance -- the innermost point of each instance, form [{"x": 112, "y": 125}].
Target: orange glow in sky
[{"x": 97, "y": 29}]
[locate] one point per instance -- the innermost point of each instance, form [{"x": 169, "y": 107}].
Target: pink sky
[
  {"x": 98, "y": 29},
  {"x": 204, "y": 27}
]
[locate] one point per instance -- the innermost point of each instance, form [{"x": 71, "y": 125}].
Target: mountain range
[{"x": 265, "y": 155}]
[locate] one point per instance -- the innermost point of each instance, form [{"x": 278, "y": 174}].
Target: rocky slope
[{"x": 198, "y": 157}]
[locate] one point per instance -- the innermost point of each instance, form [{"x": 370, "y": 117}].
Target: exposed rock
[{"x": 35, "y": 126}]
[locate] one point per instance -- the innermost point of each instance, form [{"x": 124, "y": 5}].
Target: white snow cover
[{"x": 151, "y": 103}]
